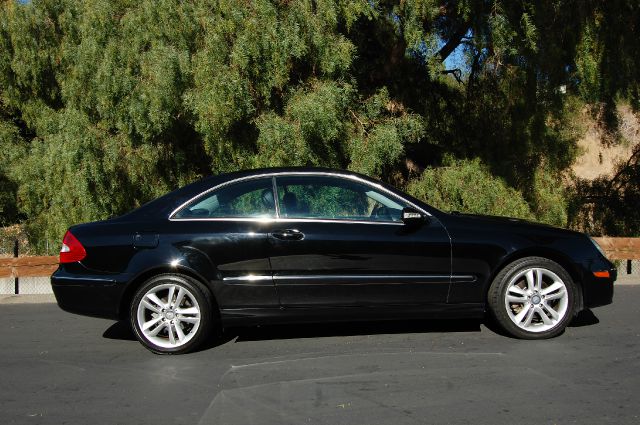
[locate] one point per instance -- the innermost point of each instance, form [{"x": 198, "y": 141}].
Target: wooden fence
[
  {"x": 615, "y": 248},
  {"x": 28, "y": 266},
  {"x": 620, "y": 248}
]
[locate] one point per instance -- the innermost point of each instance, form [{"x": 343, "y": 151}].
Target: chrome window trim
[
  {"x": 274, "y": 175},
  {"x": 290, "y": 220}
]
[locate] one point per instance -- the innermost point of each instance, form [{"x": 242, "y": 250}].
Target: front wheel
[
  {"x": 532, "y": 298},
  {"x": 171, "y": 314}
]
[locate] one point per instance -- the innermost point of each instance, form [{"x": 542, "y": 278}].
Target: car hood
[{"x": 510, "y": 222}]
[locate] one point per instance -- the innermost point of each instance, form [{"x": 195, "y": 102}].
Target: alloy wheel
[
  {"x": 168, "y": 315},
  {"x": 536, "y": 299}
]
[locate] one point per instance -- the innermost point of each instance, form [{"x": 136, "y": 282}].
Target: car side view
[{"x": 313, "y": 245}]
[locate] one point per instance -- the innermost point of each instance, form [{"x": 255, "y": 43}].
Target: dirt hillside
[{"x": 599, "y": 155}]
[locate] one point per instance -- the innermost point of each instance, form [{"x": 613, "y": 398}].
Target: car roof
[
  {"x": 284, "y": 170},
  {"x": 164, "y": 205}
]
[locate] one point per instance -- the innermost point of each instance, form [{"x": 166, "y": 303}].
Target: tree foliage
[
  {"x": 487, "y": 195},
  {"x": 105, "y": 105}
]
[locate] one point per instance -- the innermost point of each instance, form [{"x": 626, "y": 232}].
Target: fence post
[
  {"x": 628, "y": 266},
  {"x": 16, "y": 279}
]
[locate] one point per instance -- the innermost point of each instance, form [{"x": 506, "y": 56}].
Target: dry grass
[{"x": 599, "y": 157}]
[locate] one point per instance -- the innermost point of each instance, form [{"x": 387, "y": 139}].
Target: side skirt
[{"x": 259, "y": 316}]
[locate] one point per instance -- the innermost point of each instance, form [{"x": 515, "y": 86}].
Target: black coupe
[{"x": 313, "y": 245}]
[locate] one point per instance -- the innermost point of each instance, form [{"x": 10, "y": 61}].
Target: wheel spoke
[
  {"x": 150, "y": 323},
  {"x": 189, "y": 319},
  {"x": 178, "y": 328},
  {"x": 157, "y": 329},
  {"x": 552, "y": 312},
  {"x": 538, "y": 281},
  {"x": 522, "y": 314},
  {"x": 543, "y": 316},
  {"x": 172, "y": 337},
  {"x": 530, "y": 313},
  {"x": 517, "y": 300},
  {"x": 531, "y": 284},
  {"x": 180, "y": 296},
  {"x": 517, "y": 290},
  {"x": 556, "y": 296},
  {"x": 150, "y": 306},
  {"x": 190, "y": 310},
  {"x": 157, "y": 301},
  {"x": 172, "y": 291},
  {"x": 551, "y": 288}
]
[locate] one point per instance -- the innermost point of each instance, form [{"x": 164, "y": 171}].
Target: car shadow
[
  {"x": 584, "y": 318},
  {"x": 121, "y": 330},
  {"x": 321, "y": 330}
]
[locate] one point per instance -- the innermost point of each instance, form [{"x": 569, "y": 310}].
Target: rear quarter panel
[{"x": 109, "y": 245}]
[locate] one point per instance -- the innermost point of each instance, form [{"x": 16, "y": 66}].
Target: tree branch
[
  {"x": 454, "y": 41},
  {"x": 457, "y": 74},
  {"x": 624, "y": 168},
  {"x": 364, "y": 130}
]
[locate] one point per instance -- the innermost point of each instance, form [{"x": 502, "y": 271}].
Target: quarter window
[
  {"x": 246, "y": 199},
  {"x": 334, "y": 198}
]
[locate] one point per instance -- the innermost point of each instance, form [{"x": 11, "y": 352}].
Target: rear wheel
[
  {"x": 171, "y": 314},
  {"x": 533, "y": 298}
]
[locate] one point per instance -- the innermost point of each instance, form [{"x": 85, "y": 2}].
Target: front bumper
[{"x": 598, "y": 291}]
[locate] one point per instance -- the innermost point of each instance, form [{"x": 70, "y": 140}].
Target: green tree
[{"x": 105, "y": 105}]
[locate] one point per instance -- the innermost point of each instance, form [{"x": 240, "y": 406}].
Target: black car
[{"x": 314, "y": 245}]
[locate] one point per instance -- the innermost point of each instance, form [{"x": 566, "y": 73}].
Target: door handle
[{"x": 288, "y": 235}]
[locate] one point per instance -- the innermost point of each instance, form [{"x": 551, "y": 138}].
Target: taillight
[{"x": 72, "y": 250}]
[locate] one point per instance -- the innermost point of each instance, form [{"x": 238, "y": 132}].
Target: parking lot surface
[{"x": 57, "y": 368}]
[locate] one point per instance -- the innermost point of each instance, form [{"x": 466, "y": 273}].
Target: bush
[{"x": 468, "y": 186}]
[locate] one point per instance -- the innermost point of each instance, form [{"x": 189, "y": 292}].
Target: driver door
[{"x": 341, "y": 242}]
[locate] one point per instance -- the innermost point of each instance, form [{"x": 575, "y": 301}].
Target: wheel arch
[
  {"x": 556, "y": 256},
  {"x": 139, "y": 280}
]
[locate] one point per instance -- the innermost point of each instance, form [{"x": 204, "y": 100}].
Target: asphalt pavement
[{"x": 57, "y": 368}]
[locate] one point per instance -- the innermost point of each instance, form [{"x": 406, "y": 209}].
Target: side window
[
  {"x": 334, "y": 198},
  {"x": 246, "y": 199}
]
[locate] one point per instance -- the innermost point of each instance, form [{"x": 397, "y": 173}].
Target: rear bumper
[{"x": 88, "y": 295}]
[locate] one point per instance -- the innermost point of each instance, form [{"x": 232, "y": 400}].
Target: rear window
[{"x": 246, "y": 199}]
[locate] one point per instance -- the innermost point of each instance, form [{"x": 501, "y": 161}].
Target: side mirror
[{"x": 412, "y": 217}]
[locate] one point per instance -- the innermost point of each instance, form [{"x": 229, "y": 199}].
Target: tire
[
  {"x": 533, "y": 298},
  {"x": 175, "y": 327}
]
